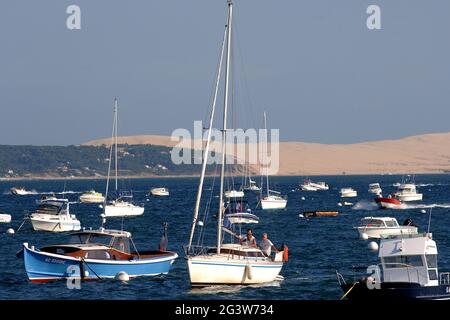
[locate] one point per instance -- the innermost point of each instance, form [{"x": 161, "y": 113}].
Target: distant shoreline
[{"x": 35, "y": 178}]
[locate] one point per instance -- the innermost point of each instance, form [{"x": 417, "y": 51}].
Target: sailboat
[
  {"x": 273, "y": 199},
  {"x": 227, "y": 263},
  {"x": 121, "y": 205}
]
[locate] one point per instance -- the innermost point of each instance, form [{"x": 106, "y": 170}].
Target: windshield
[{"x": 84, "y": 238}]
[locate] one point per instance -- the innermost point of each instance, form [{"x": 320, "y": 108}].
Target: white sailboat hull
[
  {"x": 123, "y": 210},
  {"x": 42, "y": 223},
  {"x": 270, "y": 203},
  {"x": 219, "y": 269}
]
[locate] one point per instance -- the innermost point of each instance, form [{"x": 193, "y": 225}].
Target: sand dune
[{"x": 428, "y": 153}]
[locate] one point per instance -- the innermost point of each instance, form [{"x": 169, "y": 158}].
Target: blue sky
[{"x": 313, "y": 65}]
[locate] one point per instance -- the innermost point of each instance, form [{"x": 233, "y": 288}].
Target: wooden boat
[
  {"x": 308, "y": 214},
  {"x": 94, "y": 254}
]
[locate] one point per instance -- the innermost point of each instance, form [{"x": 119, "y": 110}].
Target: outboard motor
[{"x": 408, "y": 222}]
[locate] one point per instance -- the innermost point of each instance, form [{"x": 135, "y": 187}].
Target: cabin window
[
  {"x": 391, "y": 223},
  {"x": 121, "y": 244},
  {"x": 100, "y": 239},
  {"x": 98, "y": 254},
  {"x": 373, "y": 223},
  {"x": 431, "y": 260},
  {"x": 432, "y": 274},
  {"x": 403, "y": 261}
]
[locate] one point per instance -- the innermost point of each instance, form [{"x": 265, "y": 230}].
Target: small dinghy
[
  {"x": 162, "y": 192},
  {"x": 5, "y": 218},
  {"x": 308, "y": 214}
]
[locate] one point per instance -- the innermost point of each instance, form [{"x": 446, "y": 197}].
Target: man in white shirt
[{"x": 266, "y": 245}]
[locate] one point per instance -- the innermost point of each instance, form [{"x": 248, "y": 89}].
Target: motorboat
[
  {"x": 50, "y": 199},
  {"x": 92, "y": 196},
  {"x": 20, "y": 191},
  {"x": 388, "y": 202},
  {"x": 159, "y": 192},
  {"x": 120, "y": 203},
  {"x": 228, "y": 263},
  {"x": 378, "y": 227},
  {"x": 54, "y": 217},
  {"x": 375, "y": 188},
  {"x": 408, "y": 269},
  {"x": 347, "y": 203},
  {"x": 408, "y": 192},
  {"x": 5, "y": 218},
  {"x": 234, "y": 194},
  {"x": 309, "y": 185},
  {"x": 348, "y": 193},
  {"x": 94, "y": 254}
]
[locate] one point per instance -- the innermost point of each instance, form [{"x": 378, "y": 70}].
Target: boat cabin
[
  {"x": 410, "y": 259},
  {"x": 379, "y": 222},
  {"x": 407, "y": 188}
]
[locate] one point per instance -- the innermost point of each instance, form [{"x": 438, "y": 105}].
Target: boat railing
[
  {"x": 444, "y": 278},
  {"x": 197, "y": 250},
  {"x": 414, "y": 273}
]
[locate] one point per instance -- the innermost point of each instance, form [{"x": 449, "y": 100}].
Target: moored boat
[
  {"x": 408, "y": 192},
  {"x": 54, "y": 216},
  {"x": 92, "y": 196},
  {"x": 19, "y": 191},
  {"x": 348, "y": 193},
  {"x": 408, "y": 270},
  {"x": 378, "y": 227},
  {"x": 164, "y": 192},
  {"x": 375, "y": 188},
  {"x": 5, "y": 218},
  {"x": 94, "y": 254}
]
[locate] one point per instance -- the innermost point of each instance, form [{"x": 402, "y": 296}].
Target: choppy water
[{"x": 317, "y": 247}]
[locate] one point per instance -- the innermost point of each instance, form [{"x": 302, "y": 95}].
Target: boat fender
[
  {"x": 285, "y": 253},
  {"x": 122, "y": 276},
  {"x": 248, "y": 272},
  {"x": 10, "y": 232}
]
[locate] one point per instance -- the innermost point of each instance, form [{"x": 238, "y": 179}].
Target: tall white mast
[
  {"x": 208, "y": 142},
  {"x": 115, "y": 137},
  {"x": 224, "y": 131},
  {"x": 265, "y": 153},
  {"x": 110, "y": 153}
]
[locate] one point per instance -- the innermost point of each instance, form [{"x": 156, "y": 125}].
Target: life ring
[{"x": 285, "y": 253}]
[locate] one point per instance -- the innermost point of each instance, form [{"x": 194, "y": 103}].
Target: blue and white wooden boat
[
  {"x": 408, "y": 270},
  {"x": 94, "y": 254}
]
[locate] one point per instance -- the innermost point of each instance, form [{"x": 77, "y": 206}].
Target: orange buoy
[{"x": 285, "y": 253}]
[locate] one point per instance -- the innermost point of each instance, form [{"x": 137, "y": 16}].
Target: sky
[{"x": 313, "y": 65}]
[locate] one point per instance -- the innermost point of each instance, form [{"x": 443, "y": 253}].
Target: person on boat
[
  {"x": 249, "y": 240},
  {"x": 266, "y": 245}
]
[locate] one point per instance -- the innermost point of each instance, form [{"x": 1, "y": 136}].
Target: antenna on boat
[{"x": 429, "y": 220}]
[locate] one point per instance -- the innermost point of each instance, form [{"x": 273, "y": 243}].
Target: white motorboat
[
  {"x": 234, "y": 194},
  {"x": 407, "y": 192},
  {"x": 407, "y": 271},
  {"x": 348, "y": 193},
  {"x": 307, "y": 186},
  {"x": 375, "y": 188},
  {"x": 51, "y": 199},
  {"x": 320, "y": 185},
  {"x": 121, "y": 204},
  {"x": 378, "y": 227},
  {"x": 92, "y": 196},
  {"x": 159, "y": 192},
  {"x": 227, "y": 263},
  {"x": 5, "y": 218},
  {"x": 54, "y": 217},
  {"x": 20, "y": 191}
]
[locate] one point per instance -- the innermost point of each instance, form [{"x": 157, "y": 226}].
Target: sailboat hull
[
  {"x": 123, "y": 210},
  {"x": 267, "y": 204},
  {"x": 218, "y": 269}
]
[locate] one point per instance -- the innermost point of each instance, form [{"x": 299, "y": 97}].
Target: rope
[
  {"x": 348, "y": 291},
  {"x": 82, "y": 259}
]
